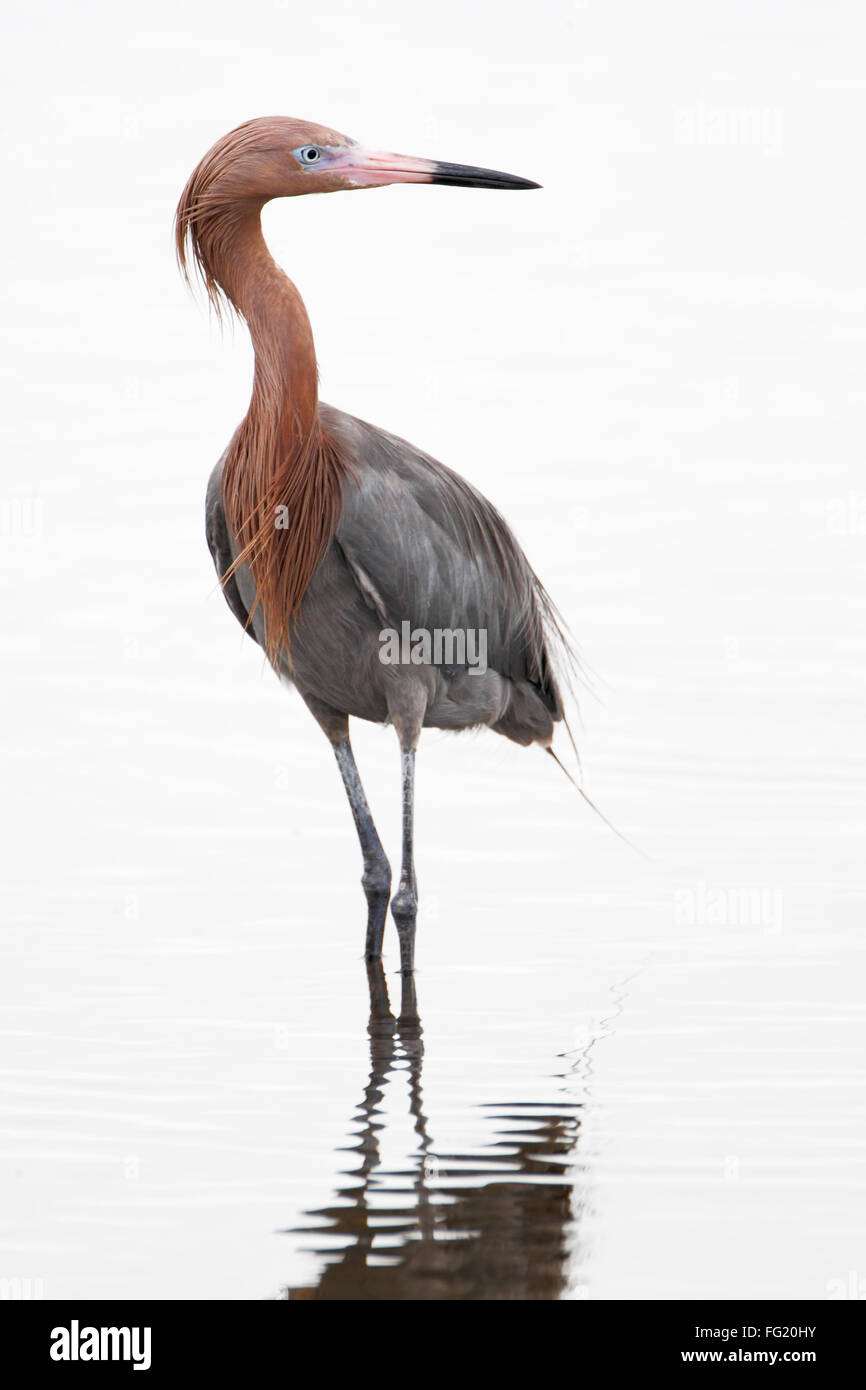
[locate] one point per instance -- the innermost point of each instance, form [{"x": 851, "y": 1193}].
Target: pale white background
[{"x": 655, "y": 368}]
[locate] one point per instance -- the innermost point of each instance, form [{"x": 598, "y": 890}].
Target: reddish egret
[{"x": 375, "y": 579}]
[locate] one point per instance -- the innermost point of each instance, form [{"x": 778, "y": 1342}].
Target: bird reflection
[{"x": 494, "y": 1224}]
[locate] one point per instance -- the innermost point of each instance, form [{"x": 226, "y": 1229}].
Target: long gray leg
[
  {"x": 405, "y": 903},
  {"x": 376, "y": 878}
]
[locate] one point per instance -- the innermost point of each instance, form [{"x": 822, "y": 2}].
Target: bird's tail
[{"x": 588, "y": 800}]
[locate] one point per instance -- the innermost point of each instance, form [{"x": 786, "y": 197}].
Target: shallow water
[{"x": 622, "y": 1076}]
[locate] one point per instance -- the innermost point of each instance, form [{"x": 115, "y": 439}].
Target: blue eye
[{"x": 308, "y": 154}]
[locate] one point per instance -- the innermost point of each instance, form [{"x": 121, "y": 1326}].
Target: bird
[{"x": 328, "y": 533}]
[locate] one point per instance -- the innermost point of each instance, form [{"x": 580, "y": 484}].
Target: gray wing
[{"x": 426, "y": 547}]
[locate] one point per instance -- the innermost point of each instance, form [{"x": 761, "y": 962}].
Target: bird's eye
[{"x": 308, "y": 154}]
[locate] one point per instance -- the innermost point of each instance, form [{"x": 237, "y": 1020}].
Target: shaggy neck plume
[{"x": 282, "y": 476}]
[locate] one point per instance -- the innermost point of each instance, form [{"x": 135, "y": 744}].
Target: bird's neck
[
  {"x": 285, "y": 396},
  {"x": 282, "y": 476}
]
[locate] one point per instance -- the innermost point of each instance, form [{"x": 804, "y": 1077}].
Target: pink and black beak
[{"x": 370, "y": 169}]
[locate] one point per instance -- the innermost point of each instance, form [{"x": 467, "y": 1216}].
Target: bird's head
[{"x": 277, "y": 157}]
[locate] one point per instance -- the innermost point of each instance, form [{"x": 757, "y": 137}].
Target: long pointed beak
[{"x": 372, "y": 169}]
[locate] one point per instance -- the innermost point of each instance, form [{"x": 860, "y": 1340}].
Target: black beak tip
[{"x": 467, "y": 176}]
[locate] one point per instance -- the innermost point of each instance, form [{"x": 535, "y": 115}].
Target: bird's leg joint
[
  {"x": 404, "y": 909},
  {"x": 376, "y": 879},
  {"x": 405, "y": 905}
]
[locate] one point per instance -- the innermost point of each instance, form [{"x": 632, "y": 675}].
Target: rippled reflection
[{"x": 496, "y": 1223}]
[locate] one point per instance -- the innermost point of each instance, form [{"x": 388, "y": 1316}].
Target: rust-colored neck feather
[{"x": 282, "y": 476}]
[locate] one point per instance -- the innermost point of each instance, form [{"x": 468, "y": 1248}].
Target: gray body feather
[{"x": 415, "y": 543}]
